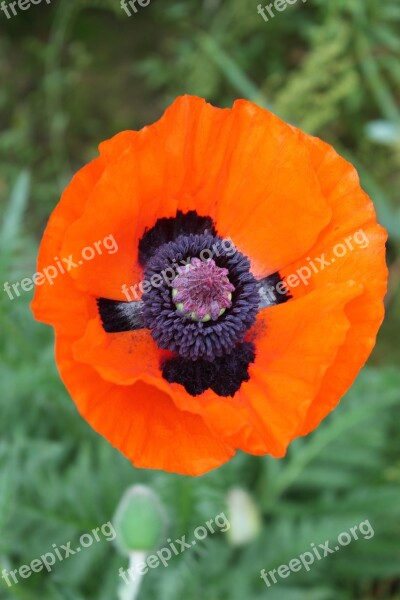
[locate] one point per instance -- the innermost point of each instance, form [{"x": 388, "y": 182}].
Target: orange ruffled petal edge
[{"x": 284, "y": 198}]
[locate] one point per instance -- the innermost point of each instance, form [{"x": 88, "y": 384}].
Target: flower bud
[
  {"x": 244, "y": 517},
  {"x": 140, "y": 520}
]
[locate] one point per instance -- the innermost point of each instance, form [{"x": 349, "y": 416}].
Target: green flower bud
[{"x": 140, "y": 520}]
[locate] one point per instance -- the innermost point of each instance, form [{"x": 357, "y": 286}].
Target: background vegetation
[{"x": 76, "y": 72}]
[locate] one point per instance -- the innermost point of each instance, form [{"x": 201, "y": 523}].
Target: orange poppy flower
[{"x": 240, "y": 296}]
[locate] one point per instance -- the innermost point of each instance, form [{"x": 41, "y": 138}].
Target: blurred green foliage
[{"x": 78, "y": 71}]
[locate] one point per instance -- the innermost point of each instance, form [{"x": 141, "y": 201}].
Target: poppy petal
[
  {"x": 120, "y": 358},
  {"x": 47, "y": 303},
  {"x": 294, "y": 351},
  {"x": 141, "y": 421},
  {"x": 268, "y": 172},
  {"x": 353, "y": 230}
]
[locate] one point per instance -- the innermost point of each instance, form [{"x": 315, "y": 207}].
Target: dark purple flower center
[{"x": 215, "y": 301}]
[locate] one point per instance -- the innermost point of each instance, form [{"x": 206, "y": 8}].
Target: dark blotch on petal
[
  {"x": 119, "y": 316},
  {"x": 224, "y": 375},
  {"x": 269, "y": 294},
  {"x": 168, "y": 229}
]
